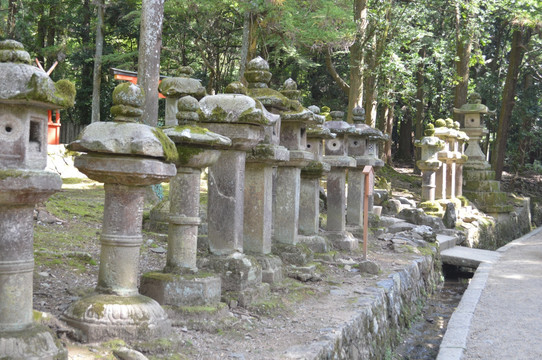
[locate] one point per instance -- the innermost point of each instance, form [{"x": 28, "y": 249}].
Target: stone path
[{"x": 499, "y": 314}]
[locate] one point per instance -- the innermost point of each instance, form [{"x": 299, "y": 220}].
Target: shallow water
[{"x": 423, "y": 339}]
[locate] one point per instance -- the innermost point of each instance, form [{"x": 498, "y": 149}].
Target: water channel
[{"x": 422, "y": 340}]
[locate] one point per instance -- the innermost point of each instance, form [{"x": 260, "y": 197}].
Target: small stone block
[
  {"x": 181, "y": 290},
  {"x": 369, "y": 267}
]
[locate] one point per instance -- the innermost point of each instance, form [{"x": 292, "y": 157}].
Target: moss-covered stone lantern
[
  {"x": 336, "y": 155},
  {"x": 244, "y": 120},
  {"x": 198, "y": 148},
  {"x": 26, "y": 94},
  {"x": 174, "y": 88},
  {"x": 309, "y": 201},
  {"x": 363, "y": 146},
  {"x": 480, "y": 185},
  {"x": 126, "y": 156}
]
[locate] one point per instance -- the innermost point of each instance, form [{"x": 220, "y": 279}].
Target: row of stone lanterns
[
  {"x": 262, "y": 170},
  {"x": 445, "y": 162}
]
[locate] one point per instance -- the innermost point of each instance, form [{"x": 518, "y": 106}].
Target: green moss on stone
[
  {"x": 170, "y": 150},
  {"x": 65, "y": 90},
  {"x": 155, "y": 275},
  {"x": 5, "y": 174},
  {"x": 185, "y": 153}
]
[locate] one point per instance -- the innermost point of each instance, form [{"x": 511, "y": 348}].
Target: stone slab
[
  {"x": 445, "y": 242},
  {"x": 181, "y": 290},
  {"x": 468, "y": 257}
]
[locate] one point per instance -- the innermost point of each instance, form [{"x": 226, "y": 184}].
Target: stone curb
[
  {"x": 455, "y": 339},
  {"x": 376, "y": 318}
]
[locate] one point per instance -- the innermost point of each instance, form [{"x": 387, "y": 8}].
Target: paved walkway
[{"x": 500, "y": 314}]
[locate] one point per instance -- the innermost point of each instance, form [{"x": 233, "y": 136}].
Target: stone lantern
[
  {"x": 126, "y": 156},
  {"x": 26, "y": 94},
  {"x": 243, "y": 120},
  {"x": 173, "y": 88},
  {"x": 362, "y": 146},
  {"x": 292, "y": 132},
  {"x": 309, "y": 201},
  {"x": 480, "y": 185},
  {"x": 198, "y": 148},
  {"x": 429, "y": 162},
  {"x": 336, "y": 155},
  {"x": 446, "y": 176},
  {"x": 462, "y": 138},
  {"x": 261, "y": 161},
  {"x": 475, "y": 130}
]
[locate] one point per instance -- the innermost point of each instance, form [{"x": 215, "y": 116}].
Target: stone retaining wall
[
  {"x": 492, "y": 233},
  {"x": 384, "y": 312}
]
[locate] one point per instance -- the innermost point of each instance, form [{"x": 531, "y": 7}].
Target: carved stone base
[
  {"x": 315, "y": 243},
  {"x": 272, "y": 269},
  {"x": 36, "y": 343},
  {"x": 342, "y": 240},
  {"x": 102, "y": 317},
  {"x": 200, "y": 289}
]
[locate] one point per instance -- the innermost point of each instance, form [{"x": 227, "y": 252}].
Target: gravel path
[{"x": 507, "y": 322}]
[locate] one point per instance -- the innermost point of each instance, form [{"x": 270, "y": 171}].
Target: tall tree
[
  {"x": 355, "y": 94},
  {"x": 463, "y": 40},
  {"x": 97, "y": 74},
  {"x": 148, "y": 69},
  {"x": 520, "y": 38}
]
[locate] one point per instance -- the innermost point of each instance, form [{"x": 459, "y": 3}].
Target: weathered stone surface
[
  {"x": 238, "y": 271},
  {"x": 21, "y": 83},
  {"x": 272, "y": 268},
  {"x": 196, "y": 135},
  {"x": 369, "y": 267},
  {"x": 27, "y": 186},
  {"x": 25, "y": 94},
  {"x": 181, "y": 86},
  {"x": 243, "y": 137},
  {"x": 201, "y": 289},
  {"x": 226, "y": 203},
  {"x": 125, "y": 138},
  {"x": 36, "y": 342},
  {"x": 286, "y": 208},
  {"x": 109, "y": 316},
  {"x": 258, "y": 215},
  {"x": 418, "y": 217},
  {"x": 123, "y": 170},
  {"x": 125, "y": 353},
  {"x": 450, "y": 217},
  {"x": 232, "y": 108},
  {"x": 381, "y": 311}
]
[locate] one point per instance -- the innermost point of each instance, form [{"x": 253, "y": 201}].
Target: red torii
[{"x": 131, "y": 76}]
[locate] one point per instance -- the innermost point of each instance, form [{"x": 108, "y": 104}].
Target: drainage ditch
[{"x": 422, "y": 340}]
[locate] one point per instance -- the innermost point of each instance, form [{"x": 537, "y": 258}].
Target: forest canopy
[{"x": 406, "y": 62}]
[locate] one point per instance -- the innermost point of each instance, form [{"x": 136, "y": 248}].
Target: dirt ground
[{"x": 67, "y": 231}]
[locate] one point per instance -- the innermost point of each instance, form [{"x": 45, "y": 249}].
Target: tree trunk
[
  {"x": 463, "y": 53},
  {"x": 148, "y": 69},
  {"x": 12, "y": 13},
  {"x": 420, "y": 105},
  {"x": 405, "y": 137},
  {"x": 84, "y": 94},
  {"x": 245, "y": 44},
  {"x": 520, "y": 39},
  {"x": 527, "y": 122},
  {"x": 331, "y": 70},
  {"x": 41, "y": 33},
  {"x": 355, "y": 94},
  {"x": 97, "y": 75},
  {"x": 388, "y": 129}
]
